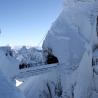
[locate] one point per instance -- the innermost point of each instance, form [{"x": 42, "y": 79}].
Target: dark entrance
[{"x": 51, "y": 59}]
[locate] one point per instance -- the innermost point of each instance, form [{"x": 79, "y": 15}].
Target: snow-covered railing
[
  {"x": 32, "y": 71},
  {"x": 42, "y": 69}
]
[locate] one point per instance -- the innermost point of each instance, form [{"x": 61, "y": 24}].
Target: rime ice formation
[{"x": 71, "y": 39}]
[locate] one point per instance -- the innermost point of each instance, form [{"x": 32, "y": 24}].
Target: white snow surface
[{"x": 7, "y": 89}]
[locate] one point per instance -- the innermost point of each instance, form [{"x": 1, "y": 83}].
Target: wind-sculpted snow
[
  {"x": 71, "y": 39},
  {"x": 72, "y": 31}
]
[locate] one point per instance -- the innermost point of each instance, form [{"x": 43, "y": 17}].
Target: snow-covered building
[{"x": 7, "y": 50}]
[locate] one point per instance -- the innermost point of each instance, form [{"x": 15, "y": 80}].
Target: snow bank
[
  {"x": 36, "y": 86},
  {"x": 7, "y": 89}
]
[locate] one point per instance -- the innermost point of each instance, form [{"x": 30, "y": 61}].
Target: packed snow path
[{"x": 32, "y": 71}]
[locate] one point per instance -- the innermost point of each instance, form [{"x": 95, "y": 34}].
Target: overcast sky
[{"x": 25, "y": 22}]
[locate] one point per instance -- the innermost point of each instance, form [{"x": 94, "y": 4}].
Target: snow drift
[{"x": 7, "y": 89}]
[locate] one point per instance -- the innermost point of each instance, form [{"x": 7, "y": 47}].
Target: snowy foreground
[{"x": 73, "y": 40}]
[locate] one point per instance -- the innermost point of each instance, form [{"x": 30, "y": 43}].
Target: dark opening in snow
[{"x": 51, "y": 59}]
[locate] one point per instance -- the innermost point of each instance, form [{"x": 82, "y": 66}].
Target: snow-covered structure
[
  {"x": 8, "y": 64},
  {"x": 8, "y": 69},
  {"x": 71, "y": 39}
]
